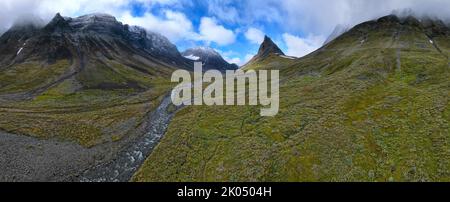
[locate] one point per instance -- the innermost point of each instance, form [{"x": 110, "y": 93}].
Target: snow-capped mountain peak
[{"x": 210, "y": 58}]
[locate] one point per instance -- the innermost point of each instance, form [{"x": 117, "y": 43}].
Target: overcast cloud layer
[{"x": 234, "y": 27}]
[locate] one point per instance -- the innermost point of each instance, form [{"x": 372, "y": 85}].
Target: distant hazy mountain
[{"x": 210, "y": 58}]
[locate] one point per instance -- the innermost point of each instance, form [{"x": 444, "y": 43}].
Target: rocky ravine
[
  {"x": 30, "y": 159},
  {"x": 122, "y": 167}
]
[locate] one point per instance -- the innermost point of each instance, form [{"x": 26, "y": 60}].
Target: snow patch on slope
[
  {"x": 288, "y": 57},
  {"x": 192, "y": 57},
  {"x": 21, "y": 48}
]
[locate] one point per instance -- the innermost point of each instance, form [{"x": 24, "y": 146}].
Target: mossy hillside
[
  {"x": 87, "y": 128},
  {"x": 78, "y": 109},
  {"x": 273, "y": 62},
  {"x": 367, "y": 107},
  {"x": 30, "y": 76}
]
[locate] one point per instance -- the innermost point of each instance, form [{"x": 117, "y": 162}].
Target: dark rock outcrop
[{"x": 267, "y": 48}]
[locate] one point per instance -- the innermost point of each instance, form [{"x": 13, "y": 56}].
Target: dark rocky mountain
[
  {"x": 267, "y": 48},
  {"x": 96, "y": 50},
  {"x": 210, "y": 58},
  {"x": 88, "y": 35}
]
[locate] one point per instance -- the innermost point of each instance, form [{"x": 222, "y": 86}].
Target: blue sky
[
  {"x": 239, "y": 32},
  {"x": 233, "y": 27}
]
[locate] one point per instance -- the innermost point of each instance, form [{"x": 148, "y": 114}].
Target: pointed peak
[
  {"x": 267, "y": 40},
  {"x": 57, "y": 18},
  {"x": 268, "y": 47},
  {"x": 58, "y": 23}
]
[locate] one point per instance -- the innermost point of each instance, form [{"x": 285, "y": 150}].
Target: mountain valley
[{"x": 80, "y": 96}]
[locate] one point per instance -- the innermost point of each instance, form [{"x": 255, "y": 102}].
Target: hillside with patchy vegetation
[{"x": 372, "y": 105}]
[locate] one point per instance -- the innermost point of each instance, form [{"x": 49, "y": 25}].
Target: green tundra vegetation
[
  {"x": 373, "y": 105},
  {"x": 104, "y": 102}
]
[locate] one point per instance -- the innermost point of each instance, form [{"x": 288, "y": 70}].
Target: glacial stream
[{"x": 128, "y": 161}]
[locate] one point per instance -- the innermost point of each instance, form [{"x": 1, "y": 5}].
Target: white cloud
[
  {"x": 234, "y": 57},
  {"x": 224, "y": 10},
  {"x": 317, "y": 17},
  {"x": 235, "y": 60},
  {"x": 239, "y": 61},
  {"x": 297, "y": 46},
  {"x": 174, "y": 25},
  {"x": 321, "y": 16},
  {"x": 11, "y": 10},
  {"x": 210, "y": 31},
  {"x": 254, "y": 35},
  {"x": 256, "y": 11},
  {"x": 230, "y": 56}
]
